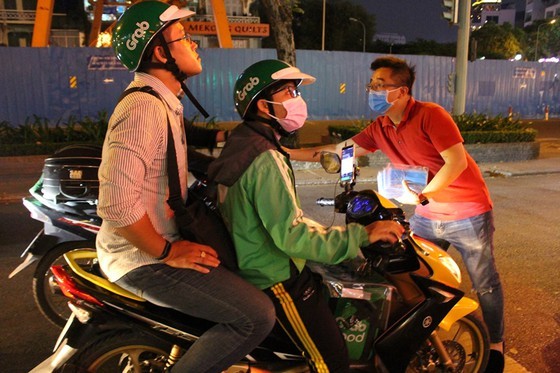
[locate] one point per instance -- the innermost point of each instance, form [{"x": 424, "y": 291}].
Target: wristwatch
[{"x": 423, "y": 199}]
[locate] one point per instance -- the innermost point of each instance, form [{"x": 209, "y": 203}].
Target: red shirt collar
[{"x": 388, "y": 122}]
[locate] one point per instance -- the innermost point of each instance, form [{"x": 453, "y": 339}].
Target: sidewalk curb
[
  {"x": 18, "y": 174},
  {"x": 305, "y": 175}
]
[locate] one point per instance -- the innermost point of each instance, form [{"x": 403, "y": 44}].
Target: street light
[
  {"x": 323, "y": 33},
  {"x": 364, "y": 28},
  {"x": 537, "y": 41}
]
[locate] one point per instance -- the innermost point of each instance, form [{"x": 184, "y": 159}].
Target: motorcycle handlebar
[{"x": 325, "y": 201}]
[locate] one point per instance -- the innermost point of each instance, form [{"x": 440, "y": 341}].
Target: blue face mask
[{"x": 377, "y": 101}]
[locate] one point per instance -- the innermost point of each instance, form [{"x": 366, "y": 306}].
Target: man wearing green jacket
[{"x": 272, "y": 237}]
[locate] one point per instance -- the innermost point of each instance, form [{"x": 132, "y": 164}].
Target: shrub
[
  {"x": 37, "y": 130},
  {"x": 475, "y": 128},
  {"x": 342, "y": 132},
  {"x": 38, "y": 136},
  {"x": 209, "y": 123}
]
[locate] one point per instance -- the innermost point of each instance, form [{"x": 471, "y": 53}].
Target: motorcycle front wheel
[
  {"x": 467, "y": 343},
  {"x": 48, "y": 298}
]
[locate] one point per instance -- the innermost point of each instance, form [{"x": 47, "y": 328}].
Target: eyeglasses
[
  {"x": 292, "y": 91},
  {"x": 379, "y": 86},
  {"x": 187, "y": 38}
]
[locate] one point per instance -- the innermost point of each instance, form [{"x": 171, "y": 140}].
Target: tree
[
  {"x": 549, "y": 38},
  {"x": 553, "y": 44},
  {"x": 340, "y": 33},
  {"x": 280, "y": 17},
  {"x": 299, "y": 24},
  {"x": 425, "y": 47},
  {"x": 497, "y": 41}
]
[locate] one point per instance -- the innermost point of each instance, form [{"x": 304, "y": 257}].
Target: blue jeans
[
  {"x": 473, "y": 238},
  {"x": 243, "y": 313}
]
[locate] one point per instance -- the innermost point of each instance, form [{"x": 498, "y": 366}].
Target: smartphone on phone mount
[{"x": 347, "y": 169}]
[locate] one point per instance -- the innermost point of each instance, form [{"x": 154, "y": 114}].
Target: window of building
[
  {"x": 241, "y": 43},
  {"x": 65, "y": 38},
  {"x": 19, "y": 39},
  {"x": 233, "y": 7},
  {"x": 29, "y": 4},
  {"x": 10, "y": 4}
]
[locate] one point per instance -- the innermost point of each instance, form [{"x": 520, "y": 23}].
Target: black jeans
[{"x": 303, "y": 312}]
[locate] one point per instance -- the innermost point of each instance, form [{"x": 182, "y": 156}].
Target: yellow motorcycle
[{"x": 398, "y": 306}]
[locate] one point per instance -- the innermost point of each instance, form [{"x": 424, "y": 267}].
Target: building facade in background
[
  {"x": 246, "y": 31},
  {"x": 496, "y": 11},
  {"x": 16, "y": 22},
  {"x": 519, "y": 13},
  {"x": 17, "y": 18}
]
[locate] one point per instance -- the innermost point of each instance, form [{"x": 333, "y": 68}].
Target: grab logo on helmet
[
  {"x": 137, "y": 34},
  {"x": 247, "y": 88}
]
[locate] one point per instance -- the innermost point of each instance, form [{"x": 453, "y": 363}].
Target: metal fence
[{"x": 56, "y": 83}]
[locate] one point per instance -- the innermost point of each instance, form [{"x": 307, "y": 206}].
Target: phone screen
[{"x": 347, "y": 164}]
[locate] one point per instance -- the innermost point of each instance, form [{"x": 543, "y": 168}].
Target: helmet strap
[
  {"x": 171, "y": 65},
  {"x": 194, "y": 100}
]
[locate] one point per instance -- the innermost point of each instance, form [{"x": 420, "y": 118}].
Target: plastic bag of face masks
[{"x": 390, "y": 180}]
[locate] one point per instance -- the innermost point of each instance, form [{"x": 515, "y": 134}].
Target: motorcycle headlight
[{"x": 452, "y": 266}]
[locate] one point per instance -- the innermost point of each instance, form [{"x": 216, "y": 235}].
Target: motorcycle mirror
[{"x": 330, "y": 162}]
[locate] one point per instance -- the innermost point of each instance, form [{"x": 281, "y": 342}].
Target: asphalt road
[
  {"x": 26, "y": 336},
  {"x": 527, "y": 252}
]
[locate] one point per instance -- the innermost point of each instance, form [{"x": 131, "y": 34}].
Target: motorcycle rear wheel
[
  {"x": 122, "y": 351},
  {"x": 467, "y": 343},
  {"x": 49, "y": 300}
]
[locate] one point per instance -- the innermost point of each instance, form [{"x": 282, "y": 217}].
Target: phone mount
[{"x": 348, "y": 184}]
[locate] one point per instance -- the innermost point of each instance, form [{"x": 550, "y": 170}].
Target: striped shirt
[{"x": 133, "y": 174}]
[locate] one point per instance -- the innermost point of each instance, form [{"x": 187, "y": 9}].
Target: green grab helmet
[
  {"x": 138, "y": 25},
  {"x": 261, "y": 75}
]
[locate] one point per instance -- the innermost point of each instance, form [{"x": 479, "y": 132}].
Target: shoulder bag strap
[{"x": 175, "y": 200}]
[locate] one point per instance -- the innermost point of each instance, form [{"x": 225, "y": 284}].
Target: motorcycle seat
[{"x": 72, "y": 257}]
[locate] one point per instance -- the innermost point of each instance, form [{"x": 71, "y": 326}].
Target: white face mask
[{"x": 296, "y": 114}]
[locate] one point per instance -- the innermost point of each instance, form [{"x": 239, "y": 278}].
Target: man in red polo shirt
[{"x": 459, "y": 211}]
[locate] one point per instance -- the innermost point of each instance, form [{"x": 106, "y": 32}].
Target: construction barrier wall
[{"x": 56, "y": 83}]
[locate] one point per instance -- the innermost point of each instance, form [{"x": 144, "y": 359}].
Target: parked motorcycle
[
  {"x": 398, "y": 306},
  {"x": 64, "y": 199}
]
